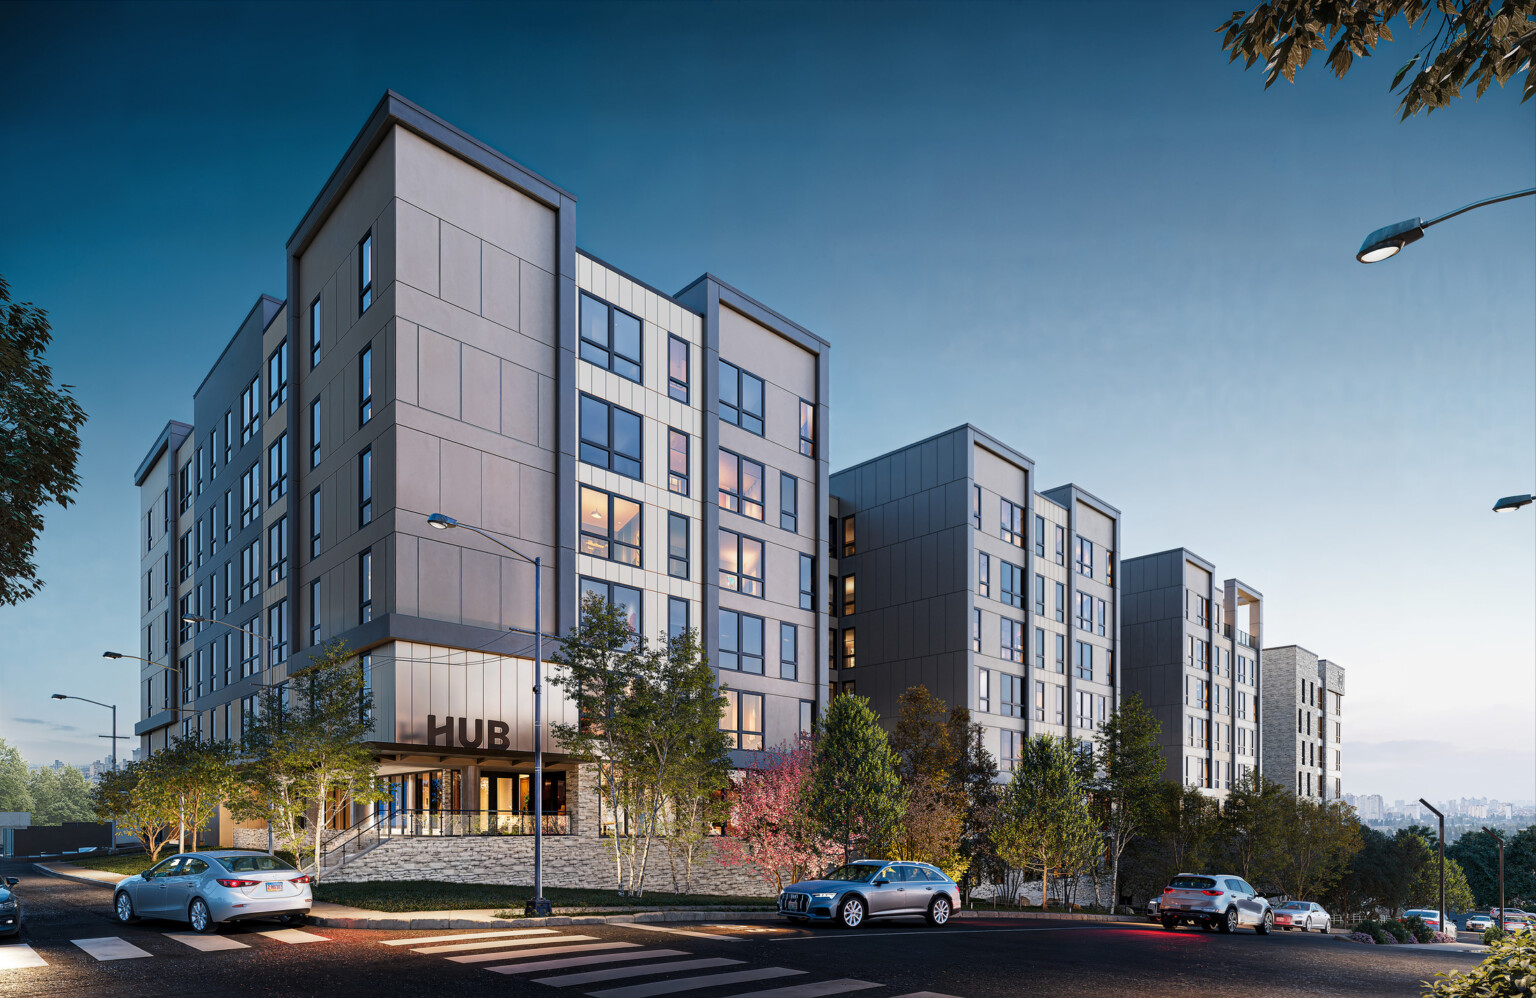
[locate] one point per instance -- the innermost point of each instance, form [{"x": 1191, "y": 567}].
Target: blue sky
[{"x": 1076, "y": 227}]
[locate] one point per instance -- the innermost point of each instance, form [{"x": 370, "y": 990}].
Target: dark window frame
[
  {"x": 734, "y": 410},
  {"x": 365, "y": 272},
  {"x": 613, "y": 361},
  {"x": 735, "y": 627},
  {"x": 739, "y": 581},
  {"x": 677, "y": 565},
  {"x": 277, "y": 377},
  {"x": 609, "y": 539},
  {"x": 365, "y": 486},
  {"x": 737, "y": 501},
  {"x": 613, "y": 459},
  {"x": 678, "y": 389},
  {"x": 678, "y": 482}
]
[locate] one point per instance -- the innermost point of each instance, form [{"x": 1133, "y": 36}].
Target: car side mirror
[
  {"x": 11, "y": 881},
  {"x": 881, "y": 883}
]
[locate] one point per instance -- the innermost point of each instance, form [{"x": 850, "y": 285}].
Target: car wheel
[
  {"x": 297, "y": 921},
  {"x": 200, "y": 917},
  {"x": 851, "y": 913},
  {"x": 938, "y": 911},
  {"x": 1170, "y": 924},
  {"x": 1266, "y": 924},
  {"x": 122, "y": 907},
  {"x": 1229, "y": 921}
]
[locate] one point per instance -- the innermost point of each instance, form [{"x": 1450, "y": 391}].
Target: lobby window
[
  {"x": 807, "y": 429},
  {"x": 1011, "y": 523},
  {"x": 1012, "y": 743},
  {"x": 849, "y": 547},
  {"x": 314, "y": 433},
  {"x": 850, "y": 648},
  {"x": 365, "y": 273},
  {"x": 1084, "y": 660},
  {"x": 848, "y": 594},
  {"x": 315, "y": 518},
  {"x": 277, "y": 627},
  {"x": 807, "y": 582},
  {"x": 976, "y": 629},
  {"x": 250, "y": 571},
  {"x": 1061, "y": 601},
  {"x": 677, "y": 617},
  {"x": 741, "y": 485},
  {"x": 976, "y": 506},
  {"x": 1040, "y": 595},
  {"x": 250, "y": 411},
  {"x": 677, "y": 545},
  {"x": 626, "y": 598},
  {"x": 1013, "y": 584},
  {"x": 365, "y": 587},
  {"x": 984, "y": 574},
  {"x": 677, "y": 368},
  {"x": 277, "y": 469},
  {"x": 789, "y": 651},
  {"x": 1012, "y": 640},
  {"x": 789, "y": 502},
  {"x": 1040, "y": 649},
  {"x": 365, "y": 487},
  {"x": 1040, "y": 536},
  {"x": 1061, "y": 654},
  {"x": 741, "y": 563},
  {"x": 610, "y": 437},
  {"x": 610, "y": 526},
  {"x": 984, "y": 690},
  {"x": 742, "y": 720},
  {"x": 677, "y": 461},
  {"x": 610, "y": 339},
  {"x": 1061, "y": 544},
  {"x": 1011, "y": 695},
  {"x": 365, "y": 385},
  {"x": 741, "y": 642},
  {"x": 277, "y": 377},
  {"x": 277, "y": 551},
  {"x": 741, "y": 398},
  {"x": 314, "y": 612},
  {"x": 314, "y": 333}
]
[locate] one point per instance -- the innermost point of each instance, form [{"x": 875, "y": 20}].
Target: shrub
[
  {"x": 1493, "y": 934},
  {"x": 1361, "y": 937},
  {"x": 1398, "y": 931},
  {"x": 1416, "y": 928},
  {"x": 1444, "y": 937},
  {"x": 1509, "y": 969},
  {"x": 1370, "y": 927},
  {"x": 1383, "y": 937}
]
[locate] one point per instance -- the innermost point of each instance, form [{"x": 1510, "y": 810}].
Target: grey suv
[
  {"x": 1215, "y": 901},
  {"x": 850, "y": 894}
]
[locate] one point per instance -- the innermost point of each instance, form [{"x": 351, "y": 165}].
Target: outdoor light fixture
[
  {"x": 1388, "y": 242},
  {"x": 1512, "y": 502},
  {"x": 60, "y": 696},
  {"x": 442, "y": 521}
]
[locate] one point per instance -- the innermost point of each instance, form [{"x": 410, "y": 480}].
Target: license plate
[{"x": 273, "y": 887}]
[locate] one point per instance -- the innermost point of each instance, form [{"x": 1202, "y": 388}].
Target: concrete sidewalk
[{"x": 80, "y": 874}]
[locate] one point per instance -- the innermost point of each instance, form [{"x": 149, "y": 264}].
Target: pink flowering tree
[{"x": 771, "y": 830}]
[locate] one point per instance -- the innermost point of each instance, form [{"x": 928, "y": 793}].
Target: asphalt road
[{"x": 74, "y": 946}]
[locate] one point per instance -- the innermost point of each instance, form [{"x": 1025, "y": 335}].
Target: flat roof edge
[{"x": 173, "y": 428}]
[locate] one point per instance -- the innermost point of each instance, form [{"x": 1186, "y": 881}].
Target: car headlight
[
  {"x": 7, "y": 905},
  {"x": 823, "y": 895}
]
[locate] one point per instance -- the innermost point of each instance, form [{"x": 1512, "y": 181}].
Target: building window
[
  {"x": 789, "y": 502},
  {"x": 277, "y": 377},
  {"x": 741, "y": 398},
  {"x": 807, "y": 717},
  {"x": 1012, "y": 641},
  {"x": 365, "y": 385},
  {"x": 365, "y": 487},
  {"x": 976, "y": 506},
  {"x": 677, "y": 617},
  {"x": 976, "y": 629},
  {"x": 610, "y": 526},
  {"x": 984, "y": 690},
  {"x": 250, "y": 571},
  {"x": 277, "y": 629},
  {"x": 1040, "y": 536},
  {"x": 1039, "y": 701},
  {"x": 277, "y": 469},
  {"x": 250, "y": 495},
  {"x": 850, "y": 648},
  {"x": 1085, "y": 611},
  {"x": 1061, "y": 544},
  {"x": 984, "y": 574},
  {"x": 314, "y": 433},
  {"x": 832, "y": 653},
  {"x": 610, "y": 437},
  {"x": 626, "y": 598},
  {"x": 610, "y": 339},
  {"x": 229, "y": 515},
  {"x": 1039, "y": 648},
  {"x": 1013, "y": 584},
  {"x": 741, "y": 642},
  {"x": 742, "y": 720},
  {"x": 184, "y": 634},
  {"x": 1085, "y": 556},
  {"x": 314, "y": 524},
  {"x": 314, "y": 613},
  {"x": 1061, "y": 601},
  {"x": 1109, "y": 567},
  {"x": 849, "y": 548},
  {"x": 1040, "y": 595},
  {"x": 1103, "y": 617},
  {"x": 1061, "y": 653},
  {"x": 1011, "y": 523},
  {"x": 1084, "y": 660},
  {"x": 229, "y": 587},
  {"x": 1012, "y": 749},
  {"x": 677, "y": 368},
  {"x": 277, "y": 551},
  {"x": 677, "y": 545},
  {"x": 365, "y": 273},
  {"x": 848, "y": 593},
  {"x": 314, "y": 333},
  {"x": 807, "y": 428},
  {"x": 789, "y": 651},
  {"x": 677, "y": 461},
  {"x": 365, "y": 587},
  {"x": 807, "y": 582},
  {"x": 1061, "y": 704},
  {"x": 741, "y": 485},
  {"x": 201, "y": 475},
  {"x": 741, "y": 563},
  {"x": 1011, "y": 695},
  {"x": 1085, "y": 710},
  {"x": 250, "y": 412}
]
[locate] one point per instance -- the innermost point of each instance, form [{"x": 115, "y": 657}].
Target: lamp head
[
  {"x": 60, "y": 696},
  {"x": 1390, "y": 240},
  {"x": 442, "y": 521},
  {"x": 191, "y": 619},
  {"x": 1512, "y": 502},
  {"x": 111, "y": 654}
]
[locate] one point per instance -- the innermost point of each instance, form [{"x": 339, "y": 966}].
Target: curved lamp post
[
  {"x": 1389, "y": 241},
  {"x": 112, "y": 846},
  {"x": 538, "y": 906}
]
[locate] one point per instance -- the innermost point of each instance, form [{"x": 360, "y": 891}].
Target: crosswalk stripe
[
  {"x": 295, "y": 936},
  {"x": 206, "y": 944},
  {"x": 469, "y": 935},
  {"x": 110, "y": 948},
  {"x": 693, "y": 983},
  {"x": 816, "y": 990},
  {"x": 587, "y": 961},
  {"x": 648, "y": 927},
  {"x": 517, "y": 968},
  {"x": 925, "y": 994},
  {"x": 493, "y": 943},
  {"x": 618, "y": 973},
  {"x": 19, "y": 955}
]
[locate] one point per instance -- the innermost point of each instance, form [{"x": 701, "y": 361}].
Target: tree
[
  {"x": 1475, "y": 41},
  {"x": 14, "y": 795},
  {"x": 132, "y": 797},
  {"x": 927, "y": 757},
  {"x": 1250, "y": 826},
  {"x": 771, "y": 818},
  {"x": 1316, "y": 841},
  {"x": 1187, "y": 820},
  {"x": 696, "y": 789},
  {"x": 199, "y": 776},
  {"x": 974, "y": 780},
  {"x": 39, "y": 443},
  {"x": 1478, "y": 856},
  {"x": 1125, "y": 788},
  {"x": 1426, "y": 889},
  {"x": 855, "y": 792},
  {"x": 59, "y": 795},
  {"x": 1043, "y": 823}
]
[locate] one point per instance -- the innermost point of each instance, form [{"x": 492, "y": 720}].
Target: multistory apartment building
[
  {"x": 1192, "y": 652},
  {"x": 444, "y": 346},
  {"x": 1303, "y": 724},
  {"x": 954, "y": 572}
]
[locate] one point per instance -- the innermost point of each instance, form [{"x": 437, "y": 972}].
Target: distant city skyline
[{"x": 948, "y": 197}]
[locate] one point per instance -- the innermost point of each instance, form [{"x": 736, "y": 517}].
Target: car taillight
[
  {"x": 300, "y": 880},
  {"x": 238, "y": 883},
  {"x": 1211, "y": 894},
  {"x": 1167, "y": 890}
]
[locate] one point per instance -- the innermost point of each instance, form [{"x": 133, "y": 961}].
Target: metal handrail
[{"x": 440, "y": 822}]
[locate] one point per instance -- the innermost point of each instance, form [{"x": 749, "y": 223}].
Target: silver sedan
[
  {"x": 1302, "y": 915},
  {"x": 207, "y": 888}
]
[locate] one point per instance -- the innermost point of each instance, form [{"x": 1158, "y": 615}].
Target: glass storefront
[{"x": 442, "y": 802}]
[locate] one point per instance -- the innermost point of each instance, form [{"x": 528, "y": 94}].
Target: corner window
[
  {"x": 677, "y": 545},
  {"x": 610, "y": 437},
  {"x": 610, "y": 526},
  {"x": 741, "y": 563},
  {"x": 741, "y": 642},
  {"x": 807, "y": 428},
  {"x": 677, "y": 461},
  {"x": 610, "y": 338},
  {"x": 365, "y": 273},
  {"x": 677, "y": 368},
  {"x": 976, "y": 506},
  {"x": 741, "y": 398}
]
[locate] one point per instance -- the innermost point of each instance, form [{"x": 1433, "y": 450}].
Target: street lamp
[
  {"x": 1436, "y": 812},
  {"x": 112, "y": 844},
  {"x": 538, "y": 906},
  {"x": 1512, "y": 502},
  {"x": 1389, "y": 241}
]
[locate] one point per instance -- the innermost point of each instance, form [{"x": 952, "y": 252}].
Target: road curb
[
  {"x": 89, "y": 881},
  {"x": 404, "y": 920},
  {"x": 1054, "y": 916}
]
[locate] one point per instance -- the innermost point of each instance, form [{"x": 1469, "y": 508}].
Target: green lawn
[
  {"x": 133, "y": 863},
  {"x": 435, "y": 895}
]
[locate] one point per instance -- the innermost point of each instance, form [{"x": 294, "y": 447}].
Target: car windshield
[
  {"x": 251, "y": 864},
  {"x": 1193, "y": 883},
  {"x": 1296, "y": 905},
  {"x": 854, "y": 873}
]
